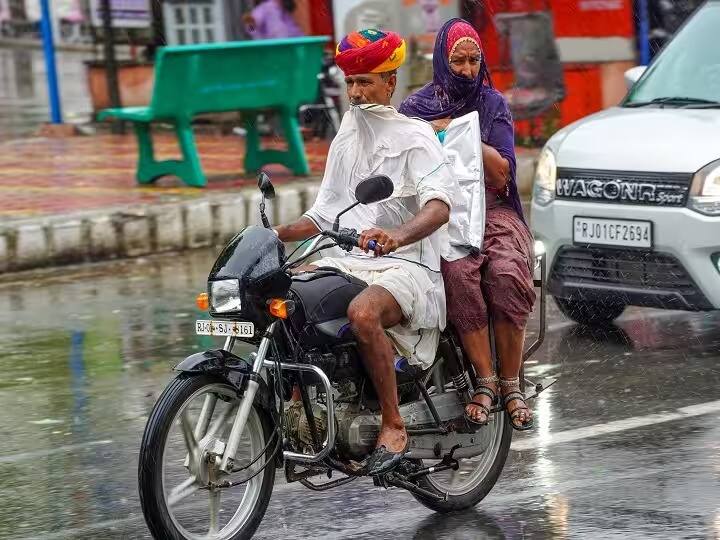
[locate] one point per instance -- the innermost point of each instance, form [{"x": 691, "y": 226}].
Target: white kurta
[{"x": 375, "y": 139}]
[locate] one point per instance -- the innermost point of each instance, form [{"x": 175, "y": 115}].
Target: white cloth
[
  {"x": 372, "y": 140},
  {"x": 463, "y": 150},
  {"x": 413, "y": 292}
]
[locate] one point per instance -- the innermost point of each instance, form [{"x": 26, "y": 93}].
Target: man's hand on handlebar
[{"x": 385, "y": 241}]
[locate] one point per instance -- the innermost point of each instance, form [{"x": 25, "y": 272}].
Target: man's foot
[
  {"x": 514, "y": 401},
  {"x": 478, "y": 410},
  {"x": 391, "y": 447}
]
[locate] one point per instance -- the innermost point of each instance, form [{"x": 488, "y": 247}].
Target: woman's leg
[
  {"x": 467, "y": 311},
  {"x": 476, "y": 345},
  {"x": 509, "y": 341},
  {"x": 509, "y": 291}
]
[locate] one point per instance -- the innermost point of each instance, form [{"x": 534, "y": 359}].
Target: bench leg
[
  {"x": 191, "y": 170},
  {"x": 147, "y": 171},
  {"x": 253, "y": 153},
  {"x": 296, "y": 158}
]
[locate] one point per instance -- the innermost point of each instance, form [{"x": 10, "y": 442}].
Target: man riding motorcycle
[{"x": 403, "y": 309}]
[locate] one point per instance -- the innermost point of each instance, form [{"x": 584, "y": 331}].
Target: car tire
[{"x": 590, "y": 313}]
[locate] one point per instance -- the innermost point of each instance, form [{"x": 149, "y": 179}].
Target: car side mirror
[
  {"x": 374, "y": 189},
  {"x": 632, "y": 76}
]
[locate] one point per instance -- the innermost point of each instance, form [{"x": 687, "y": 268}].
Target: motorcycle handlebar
[{"x": 349, "y": 237}]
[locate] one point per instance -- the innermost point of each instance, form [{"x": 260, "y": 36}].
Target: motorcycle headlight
[
  {"x": 705, "y": 191},
  {"x": 545, "y": 178},
  {"x": 225, "y": 296}
]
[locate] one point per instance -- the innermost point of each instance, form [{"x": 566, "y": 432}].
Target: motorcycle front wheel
[
  {"x": 178, "y": 470},
  {"x": 470, "y": 484}
]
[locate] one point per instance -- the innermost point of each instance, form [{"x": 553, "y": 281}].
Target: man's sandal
[
  {"x": 482, "y": 388},
  {"x": 510, "y": 391}
]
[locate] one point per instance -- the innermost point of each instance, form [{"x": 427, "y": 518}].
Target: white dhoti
[{"x": 417, "y": 337}]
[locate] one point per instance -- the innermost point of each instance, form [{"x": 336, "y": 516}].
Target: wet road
[{"x": 626, "y": 445}]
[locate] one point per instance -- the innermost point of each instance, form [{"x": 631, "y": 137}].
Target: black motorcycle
[{"x": 227, "y": 422}]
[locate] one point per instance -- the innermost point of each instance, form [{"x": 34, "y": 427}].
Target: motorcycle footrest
[
  {"x": 536, "y": 388},
  {"x": 394, "y": 479}
]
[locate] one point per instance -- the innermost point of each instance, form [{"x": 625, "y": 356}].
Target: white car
[{"x": 627, "y": 201}]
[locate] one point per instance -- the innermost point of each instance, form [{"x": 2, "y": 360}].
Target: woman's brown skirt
[{"x": 498, "y": 281}]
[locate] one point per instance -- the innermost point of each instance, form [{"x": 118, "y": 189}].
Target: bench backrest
[{"x": 218, "y": 77}]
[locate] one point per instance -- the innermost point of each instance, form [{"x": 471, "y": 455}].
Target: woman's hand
[
  {"x": 497, "y": 168},
  {"x": 441, "y": 124}
]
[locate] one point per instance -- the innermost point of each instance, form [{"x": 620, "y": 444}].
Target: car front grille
[
  {"x": 623, "y": 187},
  {"x": 624, "y": 270}
]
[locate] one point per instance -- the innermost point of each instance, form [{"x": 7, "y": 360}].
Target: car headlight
[
  {"x": 545, "y": 178},
  {"x": 225, "y": 296},
  {"x": 705, "y": 191}
]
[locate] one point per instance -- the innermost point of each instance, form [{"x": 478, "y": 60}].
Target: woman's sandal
[
  {"x": 510, "y": 391},
  {"x": 482, "y": 388}
]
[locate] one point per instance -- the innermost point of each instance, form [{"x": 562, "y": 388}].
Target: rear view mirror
[
  {"x": 374, "y": 189},
  {"x": 266, "y": 186}
]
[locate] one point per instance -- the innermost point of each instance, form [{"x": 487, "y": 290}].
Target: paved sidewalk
[
  {"x": 41, "y": 177},
  {"x": 75, "y": 199}
]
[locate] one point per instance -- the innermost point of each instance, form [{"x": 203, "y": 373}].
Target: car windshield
[{"x": 687, "y": 72}]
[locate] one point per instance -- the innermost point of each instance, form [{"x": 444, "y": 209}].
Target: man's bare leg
[{"x": 370, "y": 313}]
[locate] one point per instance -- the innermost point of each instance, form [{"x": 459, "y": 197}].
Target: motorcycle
[
  {"x": 323, "y": 117},
  {"x": 301, "y": 401}
]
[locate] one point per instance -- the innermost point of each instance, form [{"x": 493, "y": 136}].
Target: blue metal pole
[
  {"x": 49, "y": 50},
  {"x": 644, "y": 32}
]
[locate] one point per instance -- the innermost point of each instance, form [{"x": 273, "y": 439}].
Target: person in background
[
  {"x": 272, "y": 19},
  {"x": 498, "y": 279}
]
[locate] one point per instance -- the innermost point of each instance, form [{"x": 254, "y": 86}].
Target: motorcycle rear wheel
[
  {"x": 476, "y": 476},
  {"x": 175, "y": 505}
]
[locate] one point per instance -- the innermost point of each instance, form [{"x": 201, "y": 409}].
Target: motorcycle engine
[
  {"x": 297, "y": 427},
  {"x": 357, "y": 430}
]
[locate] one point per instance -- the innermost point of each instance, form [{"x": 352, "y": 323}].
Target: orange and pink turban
[{"x": 370, "y": 51}]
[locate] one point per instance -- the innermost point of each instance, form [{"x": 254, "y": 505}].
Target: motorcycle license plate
[
  {"x": 613, "y": 232},
  {"x": 225, "y": 328}
]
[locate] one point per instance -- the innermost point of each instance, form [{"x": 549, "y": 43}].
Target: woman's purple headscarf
[{"x": 452, "y": 96}]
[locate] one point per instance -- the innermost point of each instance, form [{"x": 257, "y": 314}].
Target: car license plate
[
  {"x": 612, "y": 232},
  {"x": 225, "y": 328}
]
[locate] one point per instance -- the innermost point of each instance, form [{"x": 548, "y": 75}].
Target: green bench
[{"x": 248, "y": 76}]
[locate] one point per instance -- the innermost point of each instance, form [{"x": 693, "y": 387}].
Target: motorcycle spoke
[
  {"x": 206, "y": 413},
  {"x": 189, "y": 436},
  {"x": 220, "y": 421},
  {"x": 203, "y": 421},
  {"x": 214, "y": 507},
  {"x": 183, "y": 491}
]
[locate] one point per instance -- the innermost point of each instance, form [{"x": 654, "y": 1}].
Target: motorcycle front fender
[{"x": 235, "y": 370}]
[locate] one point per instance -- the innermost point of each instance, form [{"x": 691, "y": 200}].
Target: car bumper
[{"x": 683, "y": 242}]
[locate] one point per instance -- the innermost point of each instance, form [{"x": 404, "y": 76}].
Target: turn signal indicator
[
  {"x": 202, "y": 301},
  {"x": 281, "y": 308}
]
